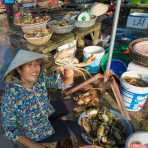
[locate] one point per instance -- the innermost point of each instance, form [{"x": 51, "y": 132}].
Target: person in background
[
  {"x": 9, "y": 10},
  {"x": 27, "y": 115}
]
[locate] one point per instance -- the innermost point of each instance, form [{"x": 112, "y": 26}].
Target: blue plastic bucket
[
  {"x": 134, "y": 97},
  {"x": 98, "y": 51},
  {"x": 9, "y": 1},
  {"x": 118, "y": 66}
]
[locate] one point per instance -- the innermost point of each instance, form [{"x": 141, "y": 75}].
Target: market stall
[{"x": 108, "y": 98}]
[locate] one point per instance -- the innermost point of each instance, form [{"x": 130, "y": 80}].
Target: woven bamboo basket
[
  {"x": 38, "y": 41},
  {"x": 136, "y": 56},
  {"x": 43, "y": 4}
]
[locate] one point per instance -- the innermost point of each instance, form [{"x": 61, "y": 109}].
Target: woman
[{"x": 26, "y": 107}]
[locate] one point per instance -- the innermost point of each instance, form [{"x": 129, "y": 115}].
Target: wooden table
[
  {"x": 58, "y": 40},
  {"x": 93, "y": 31},
  {"x": 55, "y": 42}
]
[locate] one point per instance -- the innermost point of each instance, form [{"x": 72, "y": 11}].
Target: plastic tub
[
  {"x": 134, "y": 97},
  {"x": 141, "y": 137},
  {"x": 119, "y": 62},
  {"x": 93, "y": 50}
]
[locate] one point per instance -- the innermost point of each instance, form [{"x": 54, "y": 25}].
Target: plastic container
[
  {"x": 134, "y": 97},
  {"x": 93, "y": 50},
  {"x": 136, "y": 67},
  {"x": 141, "y": 137},
  {"x": 119, "y": 62}
]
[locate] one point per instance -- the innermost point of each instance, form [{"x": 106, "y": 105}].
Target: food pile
[
  {"x": 61, "y": 23},
  {"x": 37, "y": 33},
  {"x": 102, "y": 128},
  {"x": 27, "y": 18},
  {"x": 86, "y": 100},
  {"x": 136, "y": 81}
]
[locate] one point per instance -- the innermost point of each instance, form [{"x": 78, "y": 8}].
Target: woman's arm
[{"x": 29, "y": 143}]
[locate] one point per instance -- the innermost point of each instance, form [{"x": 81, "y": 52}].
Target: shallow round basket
[
  {"x": 141, "y": 137},
  {"x": 43, "y": 4},
  {"x": 85, "y": 24},
  {"x": 60, "y": 29},
  {"x": 139, "y": 56},
  {"x": 30, "y": 27},
  {"x": 38, "y": 41}
]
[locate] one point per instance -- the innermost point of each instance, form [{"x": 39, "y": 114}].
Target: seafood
[
  {"x": 87, "y": 99},
  {"x": 37, "y": 33},
  {"x": 102, "y": 128},
  {"x": 136, "y": 81}
]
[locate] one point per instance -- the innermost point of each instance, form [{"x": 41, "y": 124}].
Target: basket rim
[
  {"x": 28, "y": 25},
  {"x": 35, "y": 38},
  {"x": 59, "y": 27}
]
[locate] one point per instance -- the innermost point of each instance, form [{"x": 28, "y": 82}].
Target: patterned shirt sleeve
[{"x": 8, "y": 117}]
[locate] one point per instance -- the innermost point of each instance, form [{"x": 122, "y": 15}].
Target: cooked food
[
  {"x": 87, "y": 99},
  {"x": 37, "y": 33},
  {"x": 27, "y": 18},
  {"x": 136, "y": 81},
  {"x": 61, "y": 23},
  {"x": 102, "y": 128}
]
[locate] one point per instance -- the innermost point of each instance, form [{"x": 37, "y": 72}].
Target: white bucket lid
[
  {"x": 141, "y": 137},
  {"x": 97, "y": 50}
]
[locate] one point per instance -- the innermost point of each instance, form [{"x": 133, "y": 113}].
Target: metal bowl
[{"x": 60, "y": 29}]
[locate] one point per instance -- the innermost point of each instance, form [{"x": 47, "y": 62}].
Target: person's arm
[
  {"x": 29, "y": 143},
  {"x": 9, "y": 124},
  {"x": 56, "y": 81}
]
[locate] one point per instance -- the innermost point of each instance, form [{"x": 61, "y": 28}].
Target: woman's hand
[
  {"x": 29, "y": 143},
  {"x": 36, "y": 145},
  {"x": 67, "y": 74}
]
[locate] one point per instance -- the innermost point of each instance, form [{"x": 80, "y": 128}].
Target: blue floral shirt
[{"x": 25, "y": 112}]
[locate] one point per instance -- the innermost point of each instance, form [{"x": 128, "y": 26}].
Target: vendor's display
[
  {"x": 43, "y": 3},
  {"x": 139, "y": 51},
  {"x": 29, "y": 23},
  {"x": 61, "y": 26},
  {"x": 98, "y": 52},
  {"x": 85, "y": 20},
  {"x": 85, "y": 100},
  {"x": 38, "y": 37},
  {"x": 108, "y": 128},
  {"x": 134, "y": 89},
  {"x": 67, "y": 60}
]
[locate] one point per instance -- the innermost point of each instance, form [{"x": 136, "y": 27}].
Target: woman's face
[{"x": 29, "y": 72}]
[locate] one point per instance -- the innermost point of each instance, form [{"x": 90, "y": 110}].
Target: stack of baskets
[{"x": 139, "y": 56}]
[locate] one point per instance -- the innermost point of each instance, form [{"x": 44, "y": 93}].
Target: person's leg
[
  {"x": 61, "y": 132},
  {"x": 62, "y": 108},
  {"x": 63, "y": 129}
]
